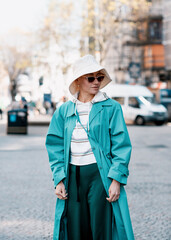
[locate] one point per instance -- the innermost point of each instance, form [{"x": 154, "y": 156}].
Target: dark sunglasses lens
[
  {"x": 90, "y": 79},
  {"x": 100, "y": 78}
]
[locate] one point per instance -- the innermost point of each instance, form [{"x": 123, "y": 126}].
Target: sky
[{"x": 21, "y": 14}]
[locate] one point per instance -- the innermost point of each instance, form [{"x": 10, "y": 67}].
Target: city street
[{"x": 27, "y": 199}]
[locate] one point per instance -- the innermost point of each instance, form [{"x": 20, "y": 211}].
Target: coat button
[
  {"x": 93, "y": 148},
  {"x": 101, "y": 167}
]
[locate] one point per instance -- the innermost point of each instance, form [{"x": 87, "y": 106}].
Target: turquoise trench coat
[{"x": 111, "y": 146}]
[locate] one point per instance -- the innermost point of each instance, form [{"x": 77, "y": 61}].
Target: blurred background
[{"x": 39, "y": 41}]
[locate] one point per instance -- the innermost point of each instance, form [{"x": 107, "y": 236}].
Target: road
[{"x": 27, "y": 199}]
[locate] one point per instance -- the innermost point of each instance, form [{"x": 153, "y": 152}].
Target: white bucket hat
[{"x": 85, "y": 65}]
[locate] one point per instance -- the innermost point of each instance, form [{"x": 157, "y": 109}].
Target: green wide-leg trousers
[{"x": 89, "y": 214}]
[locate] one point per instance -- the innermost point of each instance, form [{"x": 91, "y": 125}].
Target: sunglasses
[{"x": 91, "y": 79}]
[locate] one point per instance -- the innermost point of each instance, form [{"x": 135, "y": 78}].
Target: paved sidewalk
[
  {"x": 27, "y": 199},
  {"x": 149, "y": 184}
]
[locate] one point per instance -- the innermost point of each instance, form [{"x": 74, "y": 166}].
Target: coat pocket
[
  {"x": 109, "y": 159},
  {"x": 106, "y": 157}
]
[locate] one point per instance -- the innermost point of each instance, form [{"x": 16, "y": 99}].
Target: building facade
[
  {"x": 167, "y": 36},
  {"x": 144, "y": 53}
]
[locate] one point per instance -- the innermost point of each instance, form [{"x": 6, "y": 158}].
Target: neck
[{"x": 86, "y": 97}]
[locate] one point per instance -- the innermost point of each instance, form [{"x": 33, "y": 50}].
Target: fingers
[
  {"x": 61, "y": 192},
  {"x": 114, "y": 191},
  {"x": 62, "y": 197},
  {"x": 113, "y": 197}
]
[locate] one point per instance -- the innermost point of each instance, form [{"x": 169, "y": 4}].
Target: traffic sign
[{"x": 134, "y": 69}]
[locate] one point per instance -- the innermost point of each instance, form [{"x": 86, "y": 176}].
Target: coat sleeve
[
  {"x": 55, "y": 146},
  {"x": 120, "y": 147}
]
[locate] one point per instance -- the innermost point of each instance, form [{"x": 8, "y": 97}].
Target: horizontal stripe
[
  {"x": 79, "y": 125},
  {"x": 85, "y": 112},
  {"x": 80, "y": 155},
  {"x": 79, "y": 140}
]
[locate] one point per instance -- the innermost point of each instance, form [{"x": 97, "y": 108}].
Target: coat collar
[
  {"x": 96, "y": 108},
  {"x": 71, "y": 109}
]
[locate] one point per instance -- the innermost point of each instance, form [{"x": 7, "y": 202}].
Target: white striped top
[{"x": 81, "y": 151}]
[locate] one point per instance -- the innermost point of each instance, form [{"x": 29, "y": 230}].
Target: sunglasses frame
[{"x": 95, "y": 78}]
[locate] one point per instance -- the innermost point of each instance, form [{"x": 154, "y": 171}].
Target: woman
[{"x": 89, "y": 151}]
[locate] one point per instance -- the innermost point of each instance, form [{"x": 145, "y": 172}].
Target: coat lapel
[{"x": 97, "y": 108}]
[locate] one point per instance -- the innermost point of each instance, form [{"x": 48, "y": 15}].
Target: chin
[{"x": 94, "y": 91}]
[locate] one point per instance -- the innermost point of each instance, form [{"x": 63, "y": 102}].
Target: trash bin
[{"x": 17, "y": 121}]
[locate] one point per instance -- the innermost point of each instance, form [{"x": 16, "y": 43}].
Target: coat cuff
[
  {"x": 58, "y": 177},
  {"x": 118, "y": 176}
]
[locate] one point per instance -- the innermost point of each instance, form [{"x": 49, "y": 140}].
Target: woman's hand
[
  {"x": 60, "y": 191},
  {"x": 114, "y": 191}
]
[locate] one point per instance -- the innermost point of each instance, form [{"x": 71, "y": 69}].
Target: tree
[
  {"x": 57, "y": 42},
  {"x": 15, "y": 63},
  {"x": 110, "y": 23}
]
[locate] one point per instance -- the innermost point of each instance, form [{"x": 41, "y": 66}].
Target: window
[
  {"x": 119, "y": 99},
  {"x": 132, "y": 102},
  {"x": 155, "y": 30}
]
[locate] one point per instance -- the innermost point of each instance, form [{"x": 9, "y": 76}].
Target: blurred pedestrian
[
  {"x": 1, "y": 113},
  {"x": 47, "y": 106},
  {"x": 89, "y": 152},
  {"x": 24, "y": 104}
]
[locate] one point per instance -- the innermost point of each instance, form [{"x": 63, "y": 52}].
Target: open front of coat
[{"x": 111, "y": 146}]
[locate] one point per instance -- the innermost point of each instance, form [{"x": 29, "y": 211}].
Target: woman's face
[{"x": 89, "y": 87}]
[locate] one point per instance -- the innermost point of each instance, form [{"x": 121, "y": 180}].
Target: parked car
[
  {"x": 165, "y": 100},
  {"x": 138, "y": 104}
]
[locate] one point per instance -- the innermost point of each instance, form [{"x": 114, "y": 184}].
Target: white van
[{"x": 138, "y": 104}]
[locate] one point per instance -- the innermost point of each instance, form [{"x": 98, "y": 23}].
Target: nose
[{"x": 96, "y": 81}]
